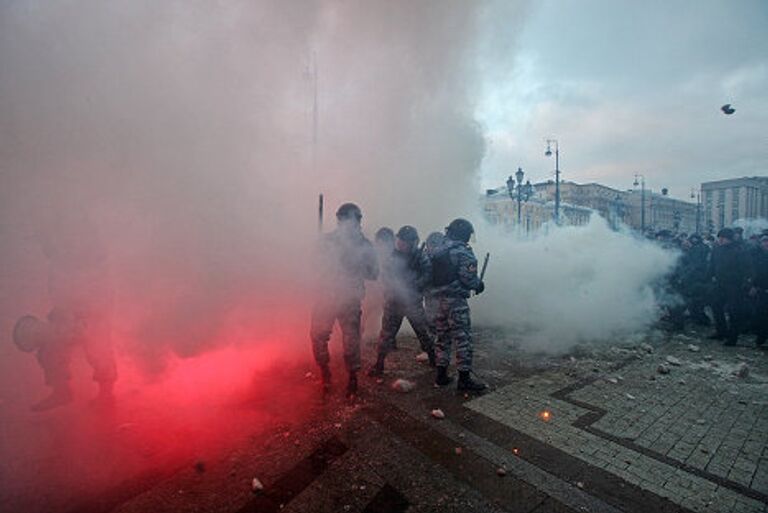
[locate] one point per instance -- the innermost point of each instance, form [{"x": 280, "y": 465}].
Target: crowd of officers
[
  {"x": 427, "y": 284},
  {"x": 727, "y": 275}
]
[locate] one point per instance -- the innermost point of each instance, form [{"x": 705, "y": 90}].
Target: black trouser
[
  {"x": 696, "y": 300},
  {"x": 760, "y": 316},
  {"x": 394, "y": 313},
  {"x": 730, "y": 301}
]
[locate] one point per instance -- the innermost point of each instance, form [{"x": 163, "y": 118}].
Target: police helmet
[
  {"x": 460, "y": 229},
  {"x": 29, "y": 333},
  {"x": 434, "y": 239},
  {"x": 408, "y": 234},
  {"x": 349, "y": 211},
  {"x": 726, "y": 233},
  {"x": 385, "y": 235}
]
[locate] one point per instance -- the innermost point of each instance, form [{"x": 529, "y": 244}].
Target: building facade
[
  {"x": 726, "y": 201},
  {"x": 500, "y": 209},
  {"x": 579, "y": 201},
  {"x": 662, "y": 212}
]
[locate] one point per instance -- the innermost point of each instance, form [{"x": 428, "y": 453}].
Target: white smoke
[
  {"x": 183, "y": 133},
  {"x": 567, "y": 285}
]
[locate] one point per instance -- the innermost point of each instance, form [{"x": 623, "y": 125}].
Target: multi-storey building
[
  {"x": 661, "y": 212},
  {"x": 726, "y": 201},
  {"x": 499, "y": 208},
  {"x": 578, "y": 200}
]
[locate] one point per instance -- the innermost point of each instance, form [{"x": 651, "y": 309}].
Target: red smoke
[{"x": 196, "y": 410}]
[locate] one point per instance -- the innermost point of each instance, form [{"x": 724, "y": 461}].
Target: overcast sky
[{"x": 632, "y": 87}]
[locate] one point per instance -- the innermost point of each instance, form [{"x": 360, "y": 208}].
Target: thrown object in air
[{"x": 727, "y": 109}]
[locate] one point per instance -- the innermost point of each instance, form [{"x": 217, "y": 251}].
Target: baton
[
  {"x": 485, "y": 265},
  {"x": 320, "y": 214}
]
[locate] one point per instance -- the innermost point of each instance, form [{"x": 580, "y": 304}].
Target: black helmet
[
  {"x": 726, "y": 233},
  {"x": 30, "y": 333},
  {"x": 434, "y": 239},
  {"x": 349, "y": 211},
  {"x": 460, "y": 229},
  {"x": 408, "y": 234},
  {"x": 385, "y": 235}
]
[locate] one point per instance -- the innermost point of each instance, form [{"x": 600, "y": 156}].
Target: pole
[
  {"x": 698, "y": 211},
  {"x": 315, "y": 113},
  {"x": 320, "y": 214},
  {"x": 519, "y": 203},
  {"x": 557, "y": 183},
  {"x": 642, "y": 204}
]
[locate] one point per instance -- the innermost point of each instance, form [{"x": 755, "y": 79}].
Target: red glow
[{"x": 198, "y": 408}]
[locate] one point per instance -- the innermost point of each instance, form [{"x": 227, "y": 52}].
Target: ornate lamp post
[
  {"x": 618, "y": 206},
  {"x": 698, "y": 207},
  {"x": 524, "y": 191},
  {"x": 642, "y": 199},
  {"x": 548, "y": 153}
]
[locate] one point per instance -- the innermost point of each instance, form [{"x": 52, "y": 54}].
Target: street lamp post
[
  {"x": 548, "y": 153},
  {"x": 524, "y": 191},
  {"x": 618, "y": 216},
  {"x": 698, "y": 207},
  {"x": 642, "y": 199}
]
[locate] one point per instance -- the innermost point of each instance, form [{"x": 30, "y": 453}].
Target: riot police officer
[
  {"x": 345, "y": 260},
  {"x": 405, "y": 277},
  {"x": 454, "y": 277}
]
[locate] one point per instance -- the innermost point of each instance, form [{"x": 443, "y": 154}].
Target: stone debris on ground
[
  {"x": 673, "y": 361},
  {"x": 662, "y": 369},
  {"x": 693, "y": 348},
  {"x": 630, "y": 396},
  {"x": 438, "y": 413},
  {"x": 256, "y": 485},
  {"x": 612, "y": 380},
  {"x": 742, "y": 371},
  {"x": 422, "y": 357},
  {"x": 501, "y": 472},
  {"x": 646, "y": 347},
  {"x": 403, "y": 385}
]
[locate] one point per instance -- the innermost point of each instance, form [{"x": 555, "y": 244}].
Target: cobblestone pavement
[
  {"x": 676, "y": 420},
  {"x": 656, "y": 423}
]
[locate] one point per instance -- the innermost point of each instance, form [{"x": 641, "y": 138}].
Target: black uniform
[
  {"x": 405, "y": 278},
  {"x": 730, "y": 269},
  {"x": 760, "y": 299},
  {"x": 695, "y": 282}
]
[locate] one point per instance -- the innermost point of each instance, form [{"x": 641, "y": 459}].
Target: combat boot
[
  {"x": 467, "y": 384},
  {"x": 442, "y": 378},
  {"x": 352, "y": 385},
  {"x": 60, "y": 396},
  {"x": 378, "y": 368}
]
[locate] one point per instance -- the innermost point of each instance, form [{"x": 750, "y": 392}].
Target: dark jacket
[
  {"x": 406, "y": 275},
  {"x": 344, "y": 260},
  {"x": 454, "y": 270},
  {"x": 730, "y": 267}
]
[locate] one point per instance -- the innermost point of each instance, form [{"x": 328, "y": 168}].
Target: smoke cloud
[
  {"x": 569, "y": 285},
  {"x": 179, "y": 138}
]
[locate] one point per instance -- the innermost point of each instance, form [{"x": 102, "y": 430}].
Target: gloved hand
[{"x": 480, "y": 288}]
